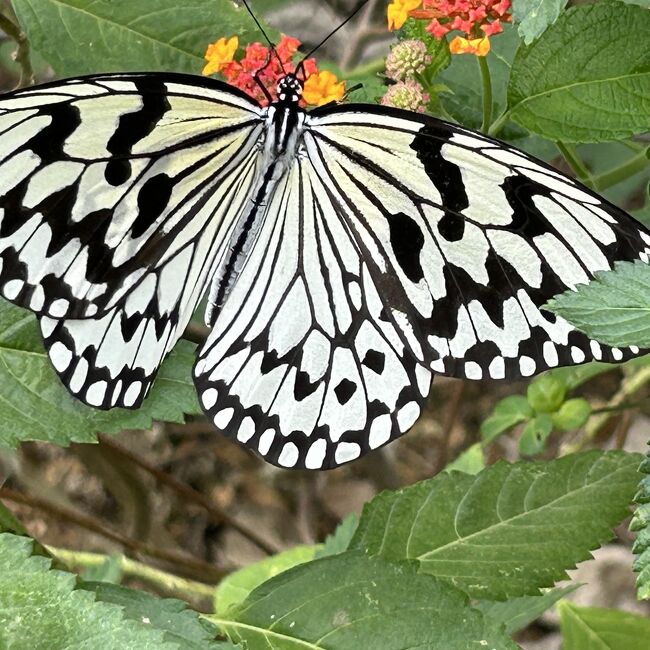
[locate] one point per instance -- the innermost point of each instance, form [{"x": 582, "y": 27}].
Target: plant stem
[
  {"x": 630, "y": 385},
  {"x": 499, "y": 123},
  {"x": 486, "y": 80},
  {"x": 630, "y": 167},
  {"x": 22, "y": 52},
  {"x": 167, "y": 581},
  {"x": 571, "y": 156}
]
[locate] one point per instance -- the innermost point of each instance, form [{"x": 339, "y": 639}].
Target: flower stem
[
  {"x": 499, "y": 123},
  {"x": 629, "y": 168},
  {"x": 571, "y": 156},
  {"x": 22, "y": 55},
  {"x": 486, "y": 80},
  {"x": 156, "y": 577}
]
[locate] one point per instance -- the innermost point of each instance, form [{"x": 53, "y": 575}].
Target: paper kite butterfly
[{"x": 350, "y": 253}]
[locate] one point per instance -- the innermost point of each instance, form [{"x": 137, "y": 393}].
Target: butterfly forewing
[{"x": 117, "y": 194}]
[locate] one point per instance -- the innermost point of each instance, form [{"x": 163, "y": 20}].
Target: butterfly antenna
[
  {"x": 343, "y": 24},
  {"x": 268, "y": 40}
]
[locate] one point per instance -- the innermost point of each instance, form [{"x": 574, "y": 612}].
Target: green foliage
[
  {"x": 34, "y": 405},
  {"x": 518, "y": 613},
  {"x": 573, "y": 414},
  {"x": 535, "y": 433},
  {"x": 641, "y": 525},
  {"x": 471, "y": 461},
  {"x": 87, "y": 36},
  {"x": 534, "y": 16},
  {"x": 603, "y": 93},
  {"x": 546, "y": 394},
  {"x": 614, "y": 308},
  {"x": 507, "y": 413},
  {"x": 596, "y": 628},
  {"x": 548, "y": 515},
  {"x": 340, "y": 539},
  {"x": 235, "y": 588},
  {"x": 336, "y": 601}
]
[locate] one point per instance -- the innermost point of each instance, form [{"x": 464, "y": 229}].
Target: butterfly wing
[
  {"x": 117, "y": 193},
  {"x": 304, "y": 364},
  {"x": 399, "y": 246},
  {"x": 479, "y": 234}
]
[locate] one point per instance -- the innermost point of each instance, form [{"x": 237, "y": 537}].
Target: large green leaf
[
  {"x": 587, "y": 78},
  {"x": 596, "y": 628},
  {"x": 507, "y": 531},
  {"x": 40, "y": 609},
  {"x": 349, "y": 601},
  {"x": 88, "y": 36},
  {"x": 534, "y": 16},
  {"x": 34, "y": 405},
  {"x": 614, "y": 308}
]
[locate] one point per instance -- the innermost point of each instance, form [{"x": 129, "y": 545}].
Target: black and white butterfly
[{"x": 350, "y": 253}]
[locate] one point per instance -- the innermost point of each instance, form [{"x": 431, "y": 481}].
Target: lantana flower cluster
[
  {"x": 320, "y": 87},
  {"x": 476, "y": 19},
  {"x": 406, "y": 60}
]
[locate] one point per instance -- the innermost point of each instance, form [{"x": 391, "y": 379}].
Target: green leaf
[
  {"x": 349, "y": 601},
  {"x": 518, "y": 613},
  {"x": 340, "y": 539},
  {"x": 587, "y": 78},
  {"x": 572, "y": 414},
  {"x": 546, "y": 393},
  {"x": 40, "y": 608},
  {"x": 596, "y": 628},
  {"x": 509, "y": 411},
  {"x": 471, "y": 461},
  {"x": 534, "y": 16},
  {"x": 234, "y": 589},
  {"x": 90, "y": 36},
  {"x": 34, "y": 405},
  {"x": 179, "y": 625},
  {"x": 614, "y": 308},
  {"x": 533, "y": 437},
  {"x": 508, "y": 531}
]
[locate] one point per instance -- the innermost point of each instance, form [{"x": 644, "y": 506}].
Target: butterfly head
[{"x": 290, "y": 89}]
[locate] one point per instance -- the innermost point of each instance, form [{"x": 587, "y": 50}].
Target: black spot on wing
[
  {"x": 375, "y": 361},
  {"x": 444, "y": 174},
  {"x": 48, "y": 143},
  {"x": 303, "y": 387},
  {"x": 345, "y": 390},
  {"x": 452, "y": 226},
  {"x": 406, "y": 240},
  {"x": 136, "y": 126},
  {"x": 153, "y": 198}
]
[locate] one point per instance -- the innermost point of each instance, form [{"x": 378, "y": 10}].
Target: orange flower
[
  {"x": 478, "y": 46},
  {"x": 220, "y": 54},
  {"x": 398, "y": 12},
  {"x": 323, "y": 87}
]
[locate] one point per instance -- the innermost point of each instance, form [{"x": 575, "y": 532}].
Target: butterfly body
[{"x": 350, "y": 253}]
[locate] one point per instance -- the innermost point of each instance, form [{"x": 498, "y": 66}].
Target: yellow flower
[
  {"x": 478, "y": 46},
  {"x": 398, "y": 12},
  {"x": 323, "y": 87},
  {"x": 219, "y": 54}
]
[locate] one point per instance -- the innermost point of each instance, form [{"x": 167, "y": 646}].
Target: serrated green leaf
[
  {"x": 614, "y": 308},
  {"x": 596, "y": 628},
  {"x": 90, "y": 36},
  {"x": 180, "y": 625},
  {"x": 349, "y": 601},
  {"x": 40, "y": 608},
  {"x": 509, "y": 411},
  {"x": 34, "y": 405},
  {"x": 548, "y": 515},
  {"x": 471, "y": 461},
  {"x": 587, "y": 78},
  {"x": 340, "y": 539},
  {"x": 518, "y": 613},
  {"x": 546, "y": 393},
  {"x": 534, "y": 16},
  {"x": 234, "y": 589},
  {"x": 533, "y": 437}
]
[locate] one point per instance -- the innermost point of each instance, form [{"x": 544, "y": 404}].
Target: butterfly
[{"x": 349, "y": 254}]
